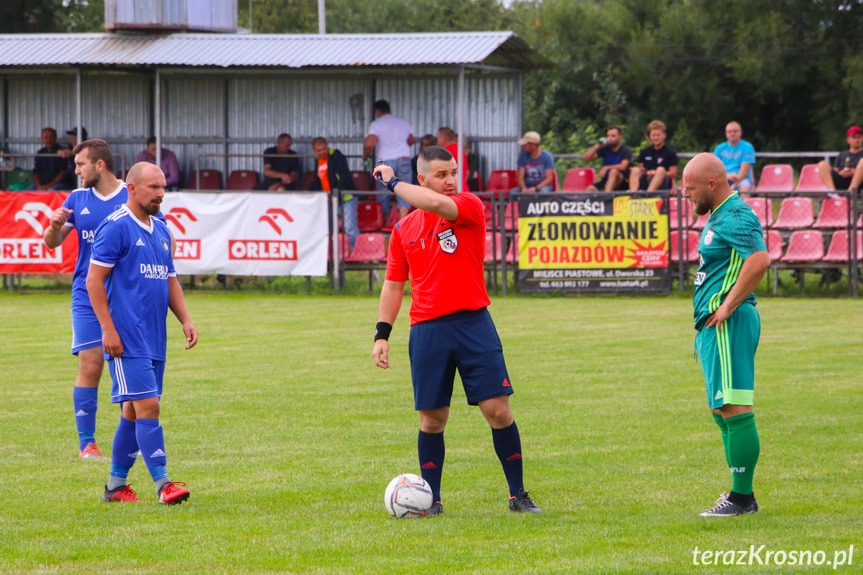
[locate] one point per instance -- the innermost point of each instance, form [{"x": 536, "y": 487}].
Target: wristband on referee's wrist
[
  {"x": 382, "y": 330},
  {"x": 391, "y": 184}
]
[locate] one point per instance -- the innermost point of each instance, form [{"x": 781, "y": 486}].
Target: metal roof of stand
[{"x": 503, "y": 49}]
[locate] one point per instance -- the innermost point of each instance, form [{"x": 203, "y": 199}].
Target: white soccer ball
[{"x": 408, "y": 495}]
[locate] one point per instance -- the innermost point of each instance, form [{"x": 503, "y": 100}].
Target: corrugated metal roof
[{"x": 262, "y": 50}]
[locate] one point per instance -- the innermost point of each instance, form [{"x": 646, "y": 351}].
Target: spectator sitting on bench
[
  {"x": 657, "y": 163},
  {"x": 614, "y": 173},
  {"x": 847, "y": 171},
  {"x": 333, "y": 174},
  {"x": 535, "y": 167},
  {"x": 281, "y": 174},
  {"x": 169, "y": 163},
  {"x": 49, "y": 172}
]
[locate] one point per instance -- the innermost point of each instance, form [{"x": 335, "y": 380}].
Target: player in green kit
[{"x": 733, "y": 259}]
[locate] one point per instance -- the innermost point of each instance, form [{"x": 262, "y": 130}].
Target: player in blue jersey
[
  {"x": 83, "y": 211},
  {"x": 132, "y": 283},
  {"x": 733, "y": 259}
]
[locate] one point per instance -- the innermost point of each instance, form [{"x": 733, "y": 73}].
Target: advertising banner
[
  {"x": 593, "y": 242},
  {"x": 23, "y": 219},
  {"x": 248, "y": 233}
]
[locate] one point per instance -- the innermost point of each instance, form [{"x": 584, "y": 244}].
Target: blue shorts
[
  {"x": 135, "y": 378},
  {"x": 466, "y": 341},
  {"x": 86, "y": 331}
]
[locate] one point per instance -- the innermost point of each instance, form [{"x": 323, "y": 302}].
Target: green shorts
[{"x": 728, "y": 357}]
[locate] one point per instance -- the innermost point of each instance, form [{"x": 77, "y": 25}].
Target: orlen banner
[
  {"x": 248, "y": 233},
  {"x": 593, "y": 242},
  {"x": 23, "y": 219}
]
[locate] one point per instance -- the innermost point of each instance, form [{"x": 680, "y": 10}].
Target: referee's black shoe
[
  {"x": 522, "y": 503},
  {"x": 435, "y": 509}
]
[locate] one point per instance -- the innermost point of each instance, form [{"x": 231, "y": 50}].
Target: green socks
[
  {"x": 741, "y": 448},
  {"x": 724, "y": 429}
]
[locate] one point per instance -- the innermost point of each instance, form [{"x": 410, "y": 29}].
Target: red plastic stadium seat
[
  {"x": 804, "y": 246},
  {"x": 493, "y": 247},
  {"x": 370, "y": 216},
  {"x": 362, "y": 181},
  {"x": 810, "y": 180},
  {"x": 685, "y": 213},
  {"x": 690, "y": 241},
  {"x": 308, "y": 178},
  {"x": 701, "y": 222},
  {"x": 838, "y": 250},
  {"x": 371, "y": 247},
  {"x": 510, "y": 217},
  {"x": 242, "y": 180},
  {"x": 763, "y": 208},
  {"x": 512, "y": 252},
  {"x": 489, "y": 213},
  {"x": 502, "y": 181},
  {"x": 209, "y": 180},
  {"x": 776, "y": 178},
  {"x": 577, "y": 179},
  {"x": 773, "y": 241},
  {"x": 795, "y": 213},
  {"x": 833, "y": 214},
  {"x": 554, "y": 186},
  {"x": 392, "y": 219}
]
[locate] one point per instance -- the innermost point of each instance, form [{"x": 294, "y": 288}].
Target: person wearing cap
[
  {"x": 71, "y": 178},
  {"x": 847, "y": 171},
  {"x": 535, "y": 166},
  {"x": 738, "y": 156},
  {"x": 170, "y": 166}
]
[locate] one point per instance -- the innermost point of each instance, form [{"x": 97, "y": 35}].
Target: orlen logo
[
  {"x": 266, "y": 249},
  {"x": 187, "y": 249},
  {"x": 30, "y": 250},
  {"x": 30, "y": 213}
]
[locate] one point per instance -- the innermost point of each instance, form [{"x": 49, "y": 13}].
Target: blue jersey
[
  {"x": 141, "y": 262},
  {"x": 733, "y": 156},
  {"x": 89, "y": 208}
]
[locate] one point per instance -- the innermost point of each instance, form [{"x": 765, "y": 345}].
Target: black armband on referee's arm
[
  {"x": 382, "y": 330},
  {"x": 391, "y": 184}
]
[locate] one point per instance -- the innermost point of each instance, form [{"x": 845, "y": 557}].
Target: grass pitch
[{"x": 287, "y": 435}]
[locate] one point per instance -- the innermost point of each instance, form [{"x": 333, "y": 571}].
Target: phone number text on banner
[
  {"x": 249, "y": 233},
  {"x": 593, "y": 242}
]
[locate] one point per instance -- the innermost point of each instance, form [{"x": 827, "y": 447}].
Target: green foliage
[{"x": 788, "y": 70}]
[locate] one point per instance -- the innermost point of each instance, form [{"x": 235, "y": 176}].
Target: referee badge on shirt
[{"x": 447, "y": 240}]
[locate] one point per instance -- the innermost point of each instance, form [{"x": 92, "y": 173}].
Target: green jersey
[{"x": 732, "y": 234}]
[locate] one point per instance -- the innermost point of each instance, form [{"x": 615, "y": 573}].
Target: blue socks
[
  {"x": 507, "y": 445},
  {"x": 151, "y": 440},
  {"x": 123, "y": 453},
  {"x": 431, "y": 449},
  {"x": 85, "y": 400}
]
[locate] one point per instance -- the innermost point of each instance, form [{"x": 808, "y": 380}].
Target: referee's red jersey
[{"x": 442, "y": 259}]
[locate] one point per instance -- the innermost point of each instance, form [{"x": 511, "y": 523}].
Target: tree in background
[{"x": 790, "y": 71}]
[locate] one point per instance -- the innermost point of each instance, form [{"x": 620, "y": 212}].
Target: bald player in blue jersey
[
  {"x": 132, "y": 284},
  {"x": 83, "y": 211}
]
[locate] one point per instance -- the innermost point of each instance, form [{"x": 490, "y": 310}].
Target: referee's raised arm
[{"x": 424, "y": 198}]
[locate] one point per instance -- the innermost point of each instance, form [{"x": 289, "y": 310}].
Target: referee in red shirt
[{"x": 441, "y": 247}]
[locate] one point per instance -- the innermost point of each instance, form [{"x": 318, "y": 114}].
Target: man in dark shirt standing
[
  {"x": 49, "y": 172},
  {"x": 657, "y": 164},
  {"x": 281, "y": 174},
  {"x": 847, "y": 172}
]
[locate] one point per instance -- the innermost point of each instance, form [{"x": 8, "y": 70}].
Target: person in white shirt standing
[{"x": 391, "y": 138}]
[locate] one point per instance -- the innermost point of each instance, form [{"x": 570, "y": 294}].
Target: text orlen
[
  {"x": 28, "y": 251},
  {"x": 262, "y": 249}
]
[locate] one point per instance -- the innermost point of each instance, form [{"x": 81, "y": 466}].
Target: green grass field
[{"x": 287, "y": 436}]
